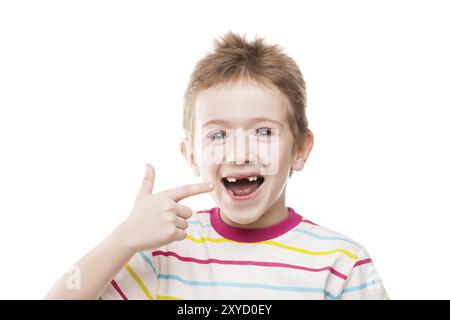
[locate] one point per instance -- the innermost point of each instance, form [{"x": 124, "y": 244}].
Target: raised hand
[{"x": 157, "y": 218}]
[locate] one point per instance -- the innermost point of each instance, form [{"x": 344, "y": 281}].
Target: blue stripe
[
  {"x": 233, "y": 284},
  {"x": 149, "y": 262},
  {"x": 324, "y": 237},
  {"x": 242, "y": 285},
  {"x": 359, "y": 287},
  {"x": 200, "y": 223}
]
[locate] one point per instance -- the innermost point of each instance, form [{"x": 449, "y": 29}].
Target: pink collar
[{"x": 253, "y": 235}]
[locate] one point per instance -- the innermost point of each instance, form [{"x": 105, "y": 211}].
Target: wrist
[{"x": 119, "y": 241}]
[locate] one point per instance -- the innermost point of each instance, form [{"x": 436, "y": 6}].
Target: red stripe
[
  {"x": 358, "y": 263},
  {"x": 309, "y": 221},
  {"x": 239, "y": 262},
  {"x": 116, "y": 286}
]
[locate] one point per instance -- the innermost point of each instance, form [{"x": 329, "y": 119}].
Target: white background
[{"x": 91, "y": 90}]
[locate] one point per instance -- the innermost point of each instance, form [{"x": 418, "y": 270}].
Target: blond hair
[{"x": 233, "y": 59}]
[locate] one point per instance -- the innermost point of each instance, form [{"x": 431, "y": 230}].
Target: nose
[{"x": 240, "y": 149}]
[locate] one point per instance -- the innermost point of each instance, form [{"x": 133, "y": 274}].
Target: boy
[{"x": 246, "y": 132}]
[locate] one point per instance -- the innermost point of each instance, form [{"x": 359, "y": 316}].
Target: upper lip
[{"x": 241, "y": 175}]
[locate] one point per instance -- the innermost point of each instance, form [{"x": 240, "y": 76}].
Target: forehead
[{"x": 240, "y": 102}]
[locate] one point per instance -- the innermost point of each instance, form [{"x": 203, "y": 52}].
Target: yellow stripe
[
  {"x": 273, "y": 243},
  {"x": 203, "y": 239},
  {"x": 168, "y": 298},
  {"x": 139, "y": 281}
]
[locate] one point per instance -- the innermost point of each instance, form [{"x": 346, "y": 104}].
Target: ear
[
  {"x": 302, "y": 152},
  {"x": 188, "y": 154}
]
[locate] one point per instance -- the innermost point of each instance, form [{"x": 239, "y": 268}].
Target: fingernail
[{"x": 210, "y": 185}]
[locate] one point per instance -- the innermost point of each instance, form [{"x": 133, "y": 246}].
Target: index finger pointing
[{"x": 189, "y": 190}]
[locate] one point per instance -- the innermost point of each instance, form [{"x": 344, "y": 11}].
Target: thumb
[{"x": 147, "y": 182}]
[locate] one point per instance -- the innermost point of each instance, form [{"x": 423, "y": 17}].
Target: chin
[{"x": 242, "y": 215}]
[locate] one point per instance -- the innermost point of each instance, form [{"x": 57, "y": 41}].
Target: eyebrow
[{"x": 252, "y": 120}]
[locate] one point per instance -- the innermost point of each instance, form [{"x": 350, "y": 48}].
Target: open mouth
[{"x": 243, "y": 188}]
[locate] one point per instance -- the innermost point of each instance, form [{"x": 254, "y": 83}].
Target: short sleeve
[
  {"x": 363, "y": 281},
  {"x": 137, "y": 280}
]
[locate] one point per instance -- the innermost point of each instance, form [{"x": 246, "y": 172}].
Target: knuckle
[
  {"x": 186, "y": 211},
  {"x": 182, "y": 234},
  {"x": 167, "y": 205},
  {"x": 184, "y": 208},
  {"x": 170, "y": 207},
  {"x": 169, "y": 216},
  {"x": 184, "y": 225},
  {"x": 172, "y": 229}
]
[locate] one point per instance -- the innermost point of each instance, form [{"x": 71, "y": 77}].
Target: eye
[
  {"x": 216, "y": 135},
  {"x": 264, "y": 132}
]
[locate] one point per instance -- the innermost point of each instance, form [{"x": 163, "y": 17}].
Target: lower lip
[{"x": 241, "y": 198}]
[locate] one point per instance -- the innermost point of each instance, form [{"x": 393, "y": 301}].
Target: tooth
[
  {"x": 252, "y": 178},
  {"x": 231, "y": 179}
]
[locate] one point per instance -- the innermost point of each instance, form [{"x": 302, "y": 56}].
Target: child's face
[{"x": 242, "y": 132}]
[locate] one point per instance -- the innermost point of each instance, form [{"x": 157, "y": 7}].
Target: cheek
[
  {"x": 286, "y": 151},
  {"x": 277, "y": 157},
  {"x": 209, "y": 172},
  {"x": 210, "y": 155}
]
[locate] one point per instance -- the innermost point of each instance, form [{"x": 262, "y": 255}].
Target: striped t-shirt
[{"x": 293, "y": 259}]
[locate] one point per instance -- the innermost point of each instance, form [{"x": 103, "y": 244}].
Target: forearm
[
  {"x": 156, "y": 220},
  {"x": 92, "y": 273}
]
